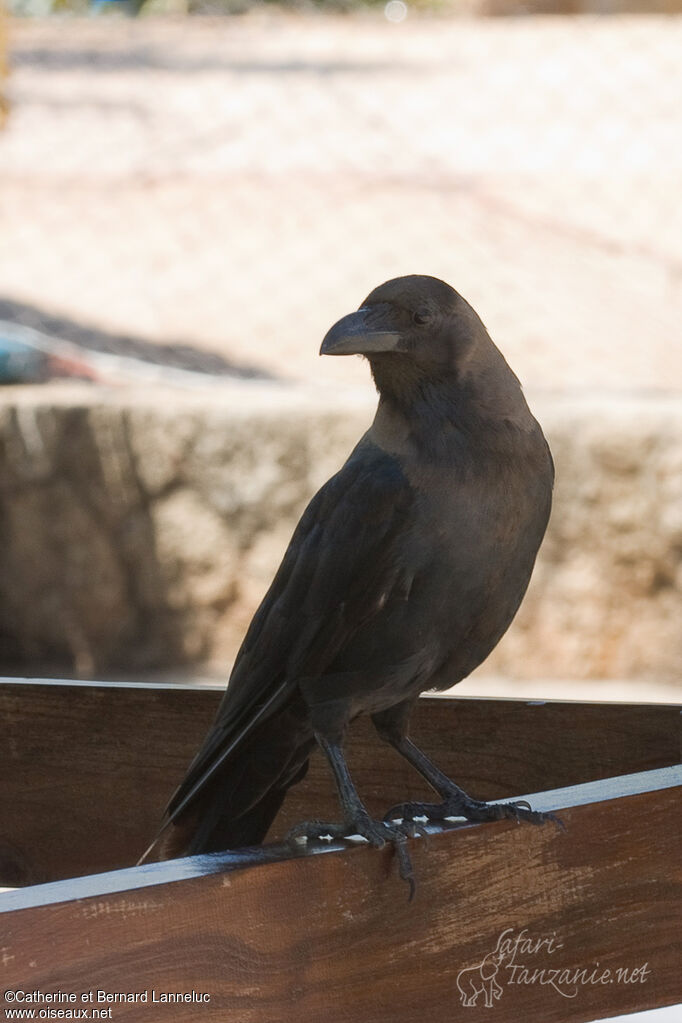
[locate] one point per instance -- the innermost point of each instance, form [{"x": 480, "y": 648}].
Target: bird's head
[{"x": 410, "y": 329}]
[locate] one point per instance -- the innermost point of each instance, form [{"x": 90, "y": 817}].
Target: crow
[{"x": 403, "y": 573}]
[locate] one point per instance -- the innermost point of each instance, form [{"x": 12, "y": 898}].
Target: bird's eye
[{"x": 420, "y": 317}]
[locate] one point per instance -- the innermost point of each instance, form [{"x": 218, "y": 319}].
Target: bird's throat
[{"x": 404, "y": 384}]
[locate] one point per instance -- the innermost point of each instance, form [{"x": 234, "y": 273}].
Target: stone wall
[{"x": 139, "y": 532}]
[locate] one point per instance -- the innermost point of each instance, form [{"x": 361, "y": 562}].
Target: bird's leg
[
  {"x": 357, "y": 820},
  {"x": 392, "y": 727}
]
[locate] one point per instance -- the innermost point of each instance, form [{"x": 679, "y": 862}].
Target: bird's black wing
[{"x": 341, "y": 565}]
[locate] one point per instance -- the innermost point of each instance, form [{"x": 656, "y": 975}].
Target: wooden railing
[{"x": 545, "y": 924}]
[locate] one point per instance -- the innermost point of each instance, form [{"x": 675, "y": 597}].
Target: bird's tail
[{"x": 242, "y": 796}]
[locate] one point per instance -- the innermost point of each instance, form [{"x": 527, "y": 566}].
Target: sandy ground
[{"x": 238, "y": 184}]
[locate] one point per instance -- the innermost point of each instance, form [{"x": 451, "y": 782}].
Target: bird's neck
[{"x": 483, "y": 404}]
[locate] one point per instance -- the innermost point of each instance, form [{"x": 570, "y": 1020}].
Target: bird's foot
[
  {"x": 461, "y": 805},
  {"x": 377, "y": 833}
]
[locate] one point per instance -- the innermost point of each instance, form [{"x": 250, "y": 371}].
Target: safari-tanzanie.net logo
[{"x": 520, "y": 959}]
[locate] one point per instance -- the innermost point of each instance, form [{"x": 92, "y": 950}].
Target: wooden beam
[
  {"x": 87, "y": 768},
  {"x": 332, "y": 937}
]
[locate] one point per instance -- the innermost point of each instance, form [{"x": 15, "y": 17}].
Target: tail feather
[
  {"x": 219, "y": 745},
  {"x": 238, "y": 803}
]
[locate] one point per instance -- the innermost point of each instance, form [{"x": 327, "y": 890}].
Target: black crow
[{"x": 403, "y": 573}]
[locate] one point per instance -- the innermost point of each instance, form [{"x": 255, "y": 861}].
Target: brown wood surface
[
  {"x": 332, "y": 938},
  {"x": 86, "y": 769}
]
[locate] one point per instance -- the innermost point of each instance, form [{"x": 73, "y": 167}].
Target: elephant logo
[{"x": 481, "y": 979}]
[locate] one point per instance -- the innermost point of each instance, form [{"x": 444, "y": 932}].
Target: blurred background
[{"x": 192, "y": 192}]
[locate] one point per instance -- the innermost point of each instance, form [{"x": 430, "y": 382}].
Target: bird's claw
[
  {"x": 377, "y": 833},
  {"x": 518, "y": 811},
  {"x": 410, "y": 813},
  {"x": 405, "y": 864},
  {"x": 409, "y": 826},
  {"x": 317, "y": 830},
  {"x": 473, "y": 810}
]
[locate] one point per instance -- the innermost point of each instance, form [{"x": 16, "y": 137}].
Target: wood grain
[
  {"x": 332, "y": 938},
  {"x": 87, "y": 769}
]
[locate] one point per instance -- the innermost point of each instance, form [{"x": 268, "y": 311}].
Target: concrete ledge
[{"x": 139, "y": 530}]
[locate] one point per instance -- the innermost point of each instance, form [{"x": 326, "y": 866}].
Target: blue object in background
[
  {"x": 20, "y": 363},
  {"x": 126, "y": 6}
]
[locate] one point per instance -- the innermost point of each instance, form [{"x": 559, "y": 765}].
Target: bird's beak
[{"x": 364, "y": 332}]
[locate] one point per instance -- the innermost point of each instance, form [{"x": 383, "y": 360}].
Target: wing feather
[{"x": 340, "y": 564}]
